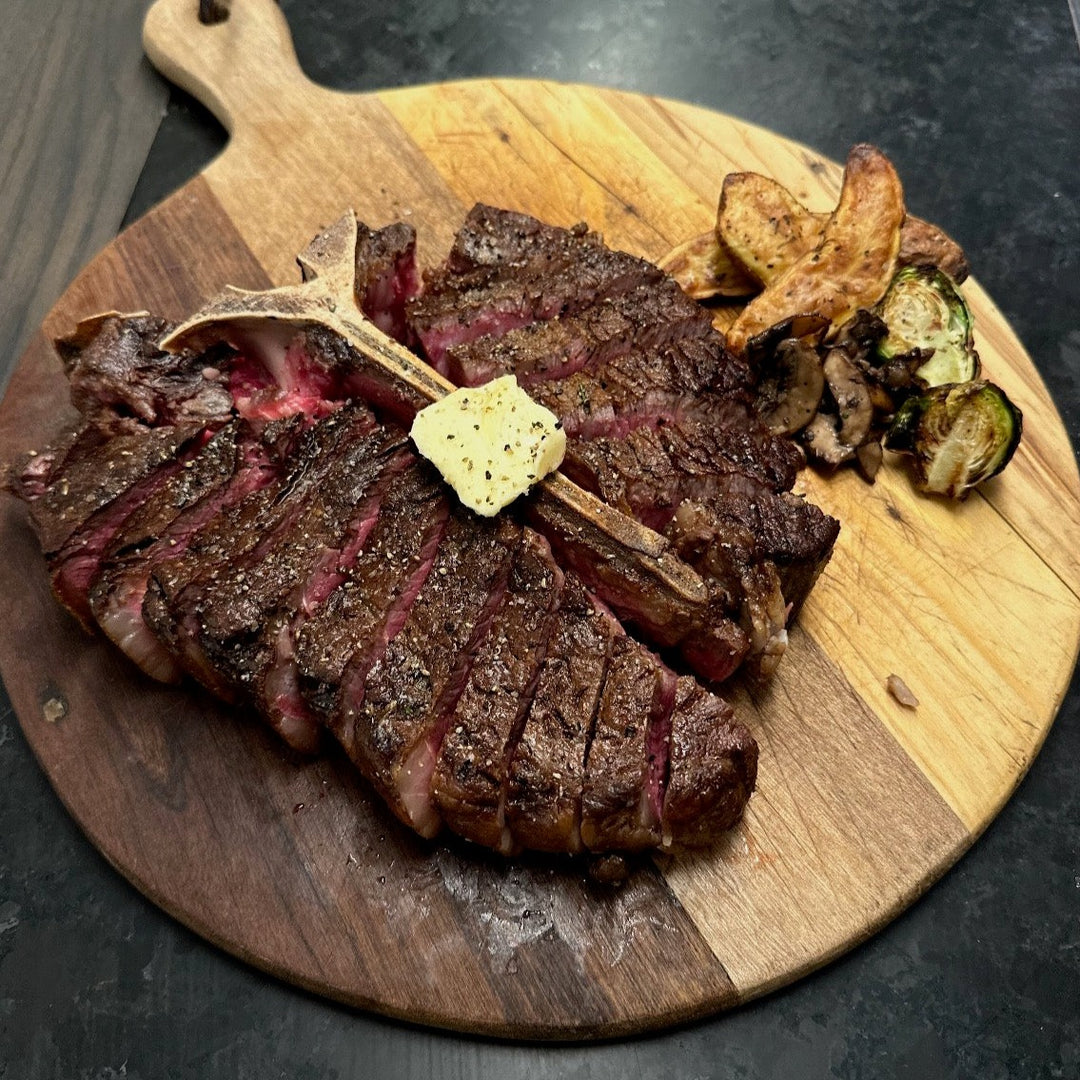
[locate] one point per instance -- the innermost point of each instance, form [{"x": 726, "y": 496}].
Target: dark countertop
[{"x": 977, "y": 102}]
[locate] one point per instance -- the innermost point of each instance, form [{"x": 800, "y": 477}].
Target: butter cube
[{"x": 491, "y": 443}]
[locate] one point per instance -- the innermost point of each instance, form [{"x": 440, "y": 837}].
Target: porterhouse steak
[{"x": 267, "y": 529}]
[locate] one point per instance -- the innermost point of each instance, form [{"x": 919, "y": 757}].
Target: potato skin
[{"x": 853, "y": 263}]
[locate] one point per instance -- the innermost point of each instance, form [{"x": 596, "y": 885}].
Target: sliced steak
[
  {"x": 247, "y": 619},
  {"x": 337, "y": 509},
  {"x": 547, "y": 768},
  {"x": 491, "y": 238},
  {"x": 793, "y": 534},
  {"x": 274, "y": 682},
  {"x": 470, "y": 781},
  {"x": 595, "y": 407},
  {"x": 744, "y": 523},
  {"x": 649, "y": 471},
  {"x": 386, "y": 276},
  {"x": 646, "y": 318},
  {"x": 180, "y": 589},
  {"x": 702, "y": 632},
  {"x": 371, "y": 602},
  {"x": 232, "y": 464},
  {"x": 119, "y": 378},
  {"x": 713, "y": 767},
  {"x": 507, "y": 270},
  {"x": 628, "y": 755},
  {"x": 294, "y": 554},
  {"x": 88, "y": 501},
  {"x": 392, "y": 722}
]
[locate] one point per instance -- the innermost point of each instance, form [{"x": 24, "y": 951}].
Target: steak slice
[
  {"x": 470, "y": 781},
  {"x": 87, "y": 501},
  {"x": 232, "y": 464},
  {"x": 507, "y": 270},
  {"x": 627, "y": 758},
  {"x": 547, "y": 768},
  {"x": 713, "y": 767},
  {"x": 386, "y": 276},
  {"x": 120, "y": 379},
  {"x": 371, "y": 602},
  {"x": 392, "y": 722},
  {"x": 644, "y": 318},
  {"x": 32, "y": 474}
]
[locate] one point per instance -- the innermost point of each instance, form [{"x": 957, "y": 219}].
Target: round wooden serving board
[{"x": 292, "y": 865}]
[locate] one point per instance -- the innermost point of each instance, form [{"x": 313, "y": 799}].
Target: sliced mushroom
[
  {"x": 809, "y": 327},
  {"x": 822, "y": 440},
  {"x": 791, "y": 386},
  {"x": 852, "y": 396},
  {"x": 869, "y": 457}
]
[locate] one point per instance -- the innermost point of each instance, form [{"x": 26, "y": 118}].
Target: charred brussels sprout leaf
[
  {"x": 925, "y": 314},
  {"x": 959, "y": 435}
]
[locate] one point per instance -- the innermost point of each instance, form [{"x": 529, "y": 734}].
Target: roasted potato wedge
[
  {"x": 764, "y": 229},
  {"x": 852, "y": 265},
  {"x": 704, "y": 269}
]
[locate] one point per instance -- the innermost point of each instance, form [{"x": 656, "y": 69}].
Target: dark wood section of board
[
  {"x": 291, "y": 864},
  {"x": 72, "y": 144}
]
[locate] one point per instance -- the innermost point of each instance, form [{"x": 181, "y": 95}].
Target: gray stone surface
[{"x": 977, "y": 102}]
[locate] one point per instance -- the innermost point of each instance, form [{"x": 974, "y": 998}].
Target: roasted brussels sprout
[
  {"x": 958, "y": 434},
  {"x": 924, "y": 314}
]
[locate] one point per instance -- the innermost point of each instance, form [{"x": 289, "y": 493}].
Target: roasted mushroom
[
  {"x": 790, "y": 387},
  {"x": 821, "y": 438},
  {"x": 852, "y": 396}
]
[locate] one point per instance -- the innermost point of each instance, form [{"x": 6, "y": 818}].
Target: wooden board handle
[{"x": 243, "y": 68}]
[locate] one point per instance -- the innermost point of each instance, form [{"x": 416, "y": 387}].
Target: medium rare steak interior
[{"x": 255, "y": 517}]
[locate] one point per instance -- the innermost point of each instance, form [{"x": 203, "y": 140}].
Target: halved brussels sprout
[
  {"x": 959, "y": 435},
  {"x": 924, "y": 312}
]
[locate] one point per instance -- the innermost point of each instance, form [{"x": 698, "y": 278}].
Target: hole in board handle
[{"x": 212, "y": 12}]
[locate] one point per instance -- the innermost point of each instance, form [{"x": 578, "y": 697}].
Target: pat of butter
[{"x": 491, "y": 443}]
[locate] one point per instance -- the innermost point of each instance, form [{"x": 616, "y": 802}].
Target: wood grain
[
  {"x": 292, "y": 865},
  {"x": 63, "y": 197}
]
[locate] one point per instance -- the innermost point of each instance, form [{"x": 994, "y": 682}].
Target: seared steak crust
[
  {"x": 369, "y": 605},
  {"x": 508, "y": 270},
  {"x": 547, "y": 768},
  {"x": 257, "y": 527},
  {"x": 392, "y": 719},
  {"x": 712, "y": 770},
  {"x": 120, "y": 378},
  {"x": 470, "y": 780},
  {"x": 645, "y": 318}
]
